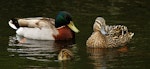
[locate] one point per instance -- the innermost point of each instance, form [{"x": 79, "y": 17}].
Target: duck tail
[
  {"x": 13, "y": 23},
  {"x": 131, "y": 34}
]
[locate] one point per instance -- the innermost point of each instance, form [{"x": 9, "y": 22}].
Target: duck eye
[
  {"x": 98, "y": 22},
  {"x": 68, "y": 18}
]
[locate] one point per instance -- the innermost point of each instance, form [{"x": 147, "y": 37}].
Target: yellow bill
[{"x": 72, "y": 27}]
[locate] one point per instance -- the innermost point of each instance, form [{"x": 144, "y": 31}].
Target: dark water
[{"x": 135, "y": 14}]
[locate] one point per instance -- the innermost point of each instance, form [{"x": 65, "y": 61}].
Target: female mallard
[
  {"x": 105, "y": 36},
  {"x": 42, "y": 28},
  {"x": 65, "y": 54}
]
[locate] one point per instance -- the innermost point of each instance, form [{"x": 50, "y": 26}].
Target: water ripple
[{"x": 36, "y": 49}]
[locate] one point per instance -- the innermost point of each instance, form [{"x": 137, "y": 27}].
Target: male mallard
[
  {"x": 42, "y": 28},
  {"x": 65, "y": 54},
  {"x": 105, "y": 36}
]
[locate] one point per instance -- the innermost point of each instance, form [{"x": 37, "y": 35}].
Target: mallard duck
[
  {"x": 108, "y": 36},
  {"x": 65, "y": 54},
  {"x": 42, "y": 28}
]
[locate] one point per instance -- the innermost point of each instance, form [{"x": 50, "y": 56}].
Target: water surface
[{"x": 43, "y": 54}]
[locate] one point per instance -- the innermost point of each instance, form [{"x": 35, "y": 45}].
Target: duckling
[
  {"x": 65, "y": 54},
  {"x": 105, "y": 36},
  {"x": 43, "y": 28}
]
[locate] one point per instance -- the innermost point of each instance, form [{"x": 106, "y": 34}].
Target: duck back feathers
[{"x": 39, "y": 22}]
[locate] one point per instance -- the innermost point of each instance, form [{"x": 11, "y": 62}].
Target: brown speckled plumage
[{"x": 113, "y": 36}]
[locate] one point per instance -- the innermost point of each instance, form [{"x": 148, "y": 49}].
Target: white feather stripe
[
  {"x": 36, "y": 33},
  {"x": 12, "y": 25},
  {"x": 27, "y": 21}
]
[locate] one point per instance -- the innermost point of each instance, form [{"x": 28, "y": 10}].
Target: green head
[{"x": 64, "y": 18}]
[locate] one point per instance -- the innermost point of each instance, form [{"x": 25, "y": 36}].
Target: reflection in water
[
  {"x": 132, "y": 13},
  {"x": 101, "y": 57},
  {"x": 36, "y": 49}
]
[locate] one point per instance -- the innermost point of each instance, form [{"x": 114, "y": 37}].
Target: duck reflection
[
  {"x": 38, "y": 50},
  {"x": 101, "y": 56}
]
